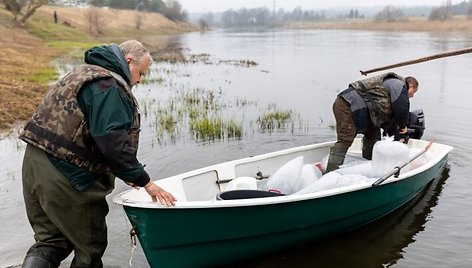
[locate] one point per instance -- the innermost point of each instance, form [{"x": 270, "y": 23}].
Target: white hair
[{"x": 136, "y": 49}]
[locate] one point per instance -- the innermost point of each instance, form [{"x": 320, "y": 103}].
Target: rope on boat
[{"x": 132, "y": 234}]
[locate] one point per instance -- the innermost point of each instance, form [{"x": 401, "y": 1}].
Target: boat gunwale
[{"x": 118, "y": 199}]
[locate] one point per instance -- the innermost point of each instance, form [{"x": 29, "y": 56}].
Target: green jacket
[{"x": 105, "y": 136}]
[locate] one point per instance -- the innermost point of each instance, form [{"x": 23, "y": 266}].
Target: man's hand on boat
[
  {"x": 157, "y": 193},
  {"x": 402, "y": 135}
]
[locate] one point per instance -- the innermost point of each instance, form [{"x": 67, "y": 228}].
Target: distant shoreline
[{"x": 458, "y": 24}]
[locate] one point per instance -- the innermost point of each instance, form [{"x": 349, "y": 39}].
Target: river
[{"x": 248, "y": 74}]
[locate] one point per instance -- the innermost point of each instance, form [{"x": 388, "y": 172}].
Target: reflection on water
[{"x": 298, "y": 72}]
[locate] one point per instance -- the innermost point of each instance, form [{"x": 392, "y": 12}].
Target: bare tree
[
  {"x": 23, "y": 8},
  {"x": 95, "y": 21},
  {"x": 203, "y": 24},
  {"x": 390, "y": 14},
  {"x": 442, "y": 13},
  {"x": 138, "y": 20}
]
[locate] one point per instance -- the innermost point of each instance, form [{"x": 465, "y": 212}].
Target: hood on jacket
[{"x": 109, "y": 57}]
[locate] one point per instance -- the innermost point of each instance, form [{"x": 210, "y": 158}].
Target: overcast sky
[{"x": 222, "y": 5}]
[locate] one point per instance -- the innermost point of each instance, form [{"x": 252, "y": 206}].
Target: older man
[{"x": 83, "y": 134}]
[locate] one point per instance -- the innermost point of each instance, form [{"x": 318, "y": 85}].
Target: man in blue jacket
[
  {"x": 84, "y": 133},
  {"x": 366, "y": 106}
]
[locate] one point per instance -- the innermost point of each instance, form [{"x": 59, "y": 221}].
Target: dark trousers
[
  {"x": 346, "y": 130},
  {"x": 345, "y": 126},
  {"x": 64, "y": 219}
]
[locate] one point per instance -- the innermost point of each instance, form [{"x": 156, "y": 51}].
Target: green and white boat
[{"x": 204, "y": 231}]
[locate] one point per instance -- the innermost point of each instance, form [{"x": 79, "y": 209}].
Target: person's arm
[
  {"x": 401, "y": 111},
  {"x": 110, "y": 115},
  {"x": 400, "y": 102}
]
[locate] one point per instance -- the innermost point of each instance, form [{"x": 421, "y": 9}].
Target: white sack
[
  {"x": 388, "y": 154},
  {"x": 284, "y": 180},
  {"x": 421, "y": 160},
  {"x": 309, "y": 174},
  {"x": 364, "y": 169},
  {"x": 333, "y": 180}
]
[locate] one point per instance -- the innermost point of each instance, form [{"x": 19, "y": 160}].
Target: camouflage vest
[
  {"x": 376, "y": 97},
  {"x": 59, "y": 127}
]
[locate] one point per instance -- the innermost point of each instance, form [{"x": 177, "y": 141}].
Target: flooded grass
[
  {"x": 149, "y": 80},
  {"x": 211, "y": 129},
  {"x": 176, "y": 55},
  {"x": 202, "y": 114},
  {"x": 207, "y": 129},
  {"x": 234, "y": 130},
  {"x": 274, "y": 118},
  {"x": 207, "y": 115},
  {"x": 196, "y": 111},
  {"x": 244, "y": 63}
]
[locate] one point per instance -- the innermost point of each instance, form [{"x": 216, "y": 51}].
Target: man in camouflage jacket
[
  {"x": 83, "y": 134},
  {"x": 365, "y": 107}
]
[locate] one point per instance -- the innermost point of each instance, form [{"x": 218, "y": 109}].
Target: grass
[
  {"x": 43, "y": 76},
  {"x": 211, "y": 129},
  {"x": 207, "y": 128},
  {"x": 196, "y": 111},
  {"x": 274, "y": 119},
  {"x": 47, "y": 30},
  {"x": 26, "y": 51}
]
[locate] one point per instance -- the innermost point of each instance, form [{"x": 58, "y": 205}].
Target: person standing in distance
[{"x": 84, "y": 133}]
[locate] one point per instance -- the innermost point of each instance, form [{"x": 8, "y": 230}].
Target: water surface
[{"x": 299, "y": 71}]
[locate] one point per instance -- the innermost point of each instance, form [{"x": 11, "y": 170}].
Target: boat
[{"x": 205, "y": 230}]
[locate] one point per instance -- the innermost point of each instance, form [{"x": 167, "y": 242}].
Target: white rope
[{"x": 133, "y": 247}]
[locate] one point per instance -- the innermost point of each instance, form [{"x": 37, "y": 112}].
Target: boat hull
[{"x": 212, "y": 236}]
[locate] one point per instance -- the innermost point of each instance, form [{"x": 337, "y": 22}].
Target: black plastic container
[{"x": 245, "y": 194}]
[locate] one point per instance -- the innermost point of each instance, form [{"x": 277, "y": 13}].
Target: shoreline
[
  {"x": 19, "y": 96},
  {"x": 27, "y": 52},
  {"x": 458, "y": 25}
]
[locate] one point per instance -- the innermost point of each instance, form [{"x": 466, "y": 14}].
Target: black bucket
[{"x": 245, "y": 194}]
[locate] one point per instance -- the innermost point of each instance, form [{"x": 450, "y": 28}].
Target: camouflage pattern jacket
[
  {"x": 380, "y": 102},
  {"x": 59, "y": 128}
]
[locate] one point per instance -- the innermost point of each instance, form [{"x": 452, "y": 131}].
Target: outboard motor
[{"x": 416, "y": 124}]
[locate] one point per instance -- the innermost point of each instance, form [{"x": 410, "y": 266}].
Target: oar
[
  {"x": 427, "y": 58},
  {"x": 396, "y": 170}
]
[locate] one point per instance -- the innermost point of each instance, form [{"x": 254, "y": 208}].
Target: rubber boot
[
  {"x": 336, "y": 158},
  {"x": 32, "y": 261},
  {"x": 367, "y": 148}
]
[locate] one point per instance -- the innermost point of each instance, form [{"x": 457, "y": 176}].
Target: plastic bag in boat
[
  {"x": 421, "y": 160},
  {"x": 240, "y": 183},
  {"x": 285, "y": 179},
  {"x": 361, "y": 168},
  {"x": 333, "y": 180},
  {"x": 388, "y": 154},
  {"x": 309, "y": 174}
]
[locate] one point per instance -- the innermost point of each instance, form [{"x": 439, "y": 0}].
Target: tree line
[
  {"x": 265, "y": 17},
  {"x": 171, "y": 9}
]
